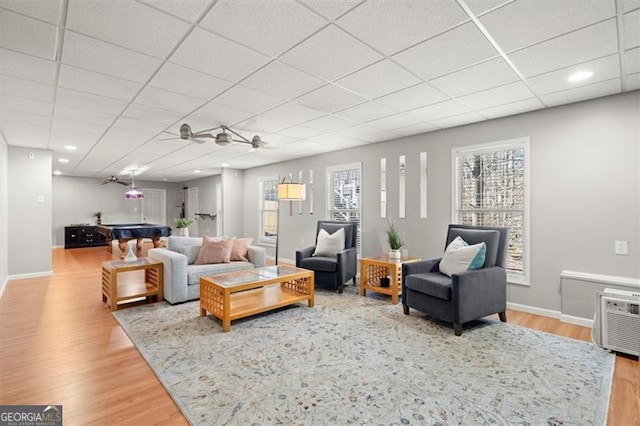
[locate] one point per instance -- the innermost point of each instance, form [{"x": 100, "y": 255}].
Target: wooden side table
[
  {"x": 372, "y": 269},
  {"x": 117, "y": 292}
]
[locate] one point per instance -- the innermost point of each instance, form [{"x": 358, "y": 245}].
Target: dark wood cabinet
[{"x": 82, "y": 236}]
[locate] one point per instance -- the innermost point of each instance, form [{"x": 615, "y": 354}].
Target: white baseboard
[
  {"x": 585, "y": 322},
  {"x": 30, "y": 275},
  {"x": 534, "y": 310}
]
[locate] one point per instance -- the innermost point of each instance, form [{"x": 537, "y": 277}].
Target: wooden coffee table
[
  {"x": 372, "y": 269},
  {"x": 244, "y": 293}
]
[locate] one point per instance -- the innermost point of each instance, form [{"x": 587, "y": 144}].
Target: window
[
  {"x": 491, "y": 188},
  {"x": 268, "y": 206},
  {"x": 344, "y": 184}
]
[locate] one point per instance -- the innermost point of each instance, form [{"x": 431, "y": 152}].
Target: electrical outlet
[{"x": 622, "y": 247}]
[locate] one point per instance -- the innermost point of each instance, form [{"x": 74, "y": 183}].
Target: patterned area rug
[{"x": 360, "y": 360}]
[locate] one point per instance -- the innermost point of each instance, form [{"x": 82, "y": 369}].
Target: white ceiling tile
[
  {"x": 631, "y": 82},
  {"x": 29, "y": 141},
  {"x": 488, "y": 74},
  {"x": 26, "y": 88},
  {"x": 138, "y": 136},
  {"x": 157, "y": 115},
  {"x": 105, "y": 58},
  {"x": 292, "y": 114},
  {"x": 331, "y": 9},
  {"x": 81, "y": 114},
  {"x": 380, "y": 137},
  {"x": 24, "y": 117},
  {"x": 327, "y": 61},
  {"x": 48, "y": 11},
  {"x": 378, "y": 79},
  {"x": 522, "y": 23},
  {"x": 140, "y": 125},
  {"x": 189, "y": 10},
  {"x": 264, "y": 125},
  {"x": 479, "y": 7},
  {"x": 416, "y": 129},
  {"x": 360, "y": 131},
  {"x": 366, "y": 112},
  {"x": 393, "y": 122},
  {"x": 13, "y": 128},
  {"x": 393, "y": 26},
  {"x": 188, "y": 82},
  {"x": 300, "y": 132},
  {"x": 439, "y": 110},
  {"x": 329, "y": 98},
  {"x": 74, "y": 135},
  {"x": 632, "y": 61},
  {"x": 574, "y": 48},
  {"x": 412, "y": 97},
  {"x": 457, "y": 48},
  {"x": 329, "y": 123},
  {"x": 216, "y": 114},
  {"x": 631, "y": 25},
  {"x": 512, "y": 108},
  {"x": 603, "y": 69},
  {"x": 98, "y": 84},
  {"x": 27, "y": 35},
  {"x": 459, "y": 120},
  {"x": 497, "y": 96},
  {"x": 246, "y": 99},
  {"x": 268, "y": 28},
  {"x": 629, "y": 5},
  {"x": 131, "y": 24},
  {"x": 82, "y": 126},
  {"x": 282, "y": 80},
  {"x": 27, "y": 67},
  {"x": 88, "y": 101},
  {"x": 16, "y": 103},
  {"x": 603, "y": 88},
  {"x": 171, "y": 101},
  {"x": 210, "y": 53}
]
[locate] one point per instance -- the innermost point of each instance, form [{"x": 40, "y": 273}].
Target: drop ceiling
[{"x": 114, "y": 79}]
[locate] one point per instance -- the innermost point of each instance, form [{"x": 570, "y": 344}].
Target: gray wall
[
  {"x": 585, "y": 191},
  {"x": 76, "y": 199},
  {"x": 29, "y": 211},
  {"x": 207, "y": 203},
  {"x": 4, "y": 189},
  {"x": 233, "y": 203}
]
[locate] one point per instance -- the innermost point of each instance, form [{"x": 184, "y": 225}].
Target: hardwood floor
[{"x": 59, "y": 344}]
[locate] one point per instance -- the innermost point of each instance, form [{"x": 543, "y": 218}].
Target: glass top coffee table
[{"x": 243, "y": 293}]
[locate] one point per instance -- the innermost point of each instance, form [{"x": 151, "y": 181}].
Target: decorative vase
[
  {"x": 184, "y": 232},
  {"x": 395, "y": 254},
  {"x": 98, "y": 221},
  {"x": 131, "y": 252}
]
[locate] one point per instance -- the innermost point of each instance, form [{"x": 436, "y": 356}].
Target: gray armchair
[
  {"x": 466, "y": 296},
  {"x": 332, "y": 272}
]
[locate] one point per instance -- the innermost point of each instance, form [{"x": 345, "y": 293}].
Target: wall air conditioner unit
[{"x": 619, "y": 320}]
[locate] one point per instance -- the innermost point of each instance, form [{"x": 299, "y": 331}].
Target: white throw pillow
[
  {"x": 460, "y": 256},
  {"x": 329, "y": 245}
]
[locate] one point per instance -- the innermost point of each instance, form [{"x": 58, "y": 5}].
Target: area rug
[{"x": 360, "y": 360}]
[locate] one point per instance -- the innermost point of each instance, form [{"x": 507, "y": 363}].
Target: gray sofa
[{"x": 182, "y": 280}]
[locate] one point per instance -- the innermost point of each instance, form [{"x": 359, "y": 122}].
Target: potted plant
[
  {"x": 394, "y": 238},
  {"x": 98, "y": 216},
  {"x": 182, "y": 224}
]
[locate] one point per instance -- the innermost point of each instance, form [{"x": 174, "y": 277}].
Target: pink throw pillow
[
  {"x": 240, "y": 249},
  {"x": 213, "y": 251}
]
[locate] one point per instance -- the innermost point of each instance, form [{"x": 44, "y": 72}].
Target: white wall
[
  {"x": 585, "y": 191},
  {"x": 233, "y": 202},
  {"x": 4, "y": 213},
  {"x": 207, "y": 203},
  {"x": 29, "y": 211}
]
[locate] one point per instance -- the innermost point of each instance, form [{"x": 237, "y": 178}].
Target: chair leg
[
  {"x": 340, "y": 288},
  {"x": 503, "y": 316},
  {"x": 457, "y": 328},
  {"x": 405, "y": 308}
]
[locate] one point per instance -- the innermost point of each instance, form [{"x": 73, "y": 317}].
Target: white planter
[
  {"x": 184, "y": 232},
  {"x": 395, "y": 254}
]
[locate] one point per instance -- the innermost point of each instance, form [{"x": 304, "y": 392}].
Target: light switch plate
[{"x": 622, "y": 247}]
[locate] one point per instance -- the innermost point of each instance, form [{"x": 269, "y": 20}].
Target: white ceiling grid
[{"x": 308, "y": 76}]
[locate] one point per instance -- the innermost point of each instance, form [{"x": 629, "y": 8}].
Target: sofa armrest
[
  {"x": 175, "y": 273},
  {"x": 257, "y": 256},
  {"x": 303, "y": 254}
]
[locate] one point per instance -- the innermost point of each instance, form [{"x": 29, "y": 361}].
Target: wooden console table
[
  {"x": 118, "y": 292},
  {"x": 372, "y": 269}
]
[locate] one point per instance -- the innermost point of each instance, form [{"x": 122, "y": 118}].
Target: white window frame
[
  {"x": 262, "y": 240},
  {"x": 329, "y": 170},
  {"x": 513, "y": 278}
]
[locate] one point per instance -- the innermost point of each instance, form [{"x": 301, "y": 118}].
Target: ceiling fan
[
  {"x": 222, "y": 138},
  {"x": 113, "y": 179}
]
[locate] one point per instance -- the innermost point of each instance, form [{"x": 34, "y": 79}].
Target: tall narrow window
[
  {"x": 268, "y": 209},
  {"x": 491, "y": 188},
  {"x": 344, "y": 203}
]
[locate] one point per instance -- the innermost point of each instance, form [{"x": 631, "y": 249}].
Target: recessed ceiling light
[
  {"x": 57, "y": 172},
  {"x": 580, "y": 76},
  {"x": 196, "y": 171},
  {"x": 165, "y": 179},
  {"x": 225, "y": 164},
  {"x": 70, "y": 147},
  {"x": 63, "y": 160}
]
